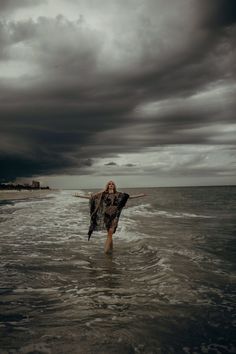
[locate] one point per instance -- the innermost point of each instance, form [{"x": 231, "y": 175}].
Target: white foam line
[{"x": 144, "y": 211}]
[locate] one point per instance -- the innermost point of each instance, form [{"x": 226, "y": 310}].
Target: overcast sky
[{"x": 139, "y": 91}]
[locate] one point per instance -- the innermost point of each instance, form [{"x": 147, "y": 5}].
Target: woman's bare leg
[{"x": 109, "y": 242}]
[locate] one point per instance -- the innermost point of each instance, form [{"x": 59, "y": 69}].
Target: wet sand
[{"x": 24, "y": 194}]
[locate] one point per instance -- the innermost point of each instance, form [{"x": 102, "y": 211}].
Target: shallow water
[{"x": 168, "y": 287}]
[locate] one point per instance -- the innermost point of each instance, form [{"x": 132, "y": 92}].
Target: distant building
[{"x": 35, "y": 184}]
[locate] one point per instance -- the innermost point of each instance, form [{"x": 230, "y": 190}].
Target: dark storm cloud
[
  {"x": 73, "y": 102},
  {"x": 110, "y": 164},
  {"x": 218, "y": 13},
  {"x": 188, "y": 122}
]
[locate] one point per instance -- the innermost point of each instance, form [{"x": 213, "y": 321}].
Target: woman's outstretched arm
[
  {"x": 137, "y": 195},
  {"x": 88, "y": 196}
]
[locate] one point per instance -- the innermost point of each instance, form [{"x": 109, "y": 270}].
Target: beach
[{"x": 24, "y": 194}]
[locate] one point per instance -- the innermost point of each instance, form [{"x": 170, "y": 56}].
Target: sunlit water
[{"x": 168, "y": 287}]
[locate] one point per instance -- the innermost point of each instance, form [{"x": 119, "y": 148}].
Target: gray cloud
[
  {"x": 11, "y": 5},
  {"x": 82, "y": 92},
  {"x": 130, "y": 165}
]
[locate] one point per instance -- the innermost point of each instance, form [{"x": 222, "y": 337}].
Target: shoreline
[{"x": 24, "y": 194}]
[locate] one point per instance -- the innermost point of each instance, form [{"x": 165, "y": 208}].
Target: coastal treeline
[{"x": 18, "y": 186}]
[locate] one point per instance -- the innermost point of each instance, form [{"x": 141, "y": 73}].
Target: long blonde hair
[{"x": 106, "y": 189}]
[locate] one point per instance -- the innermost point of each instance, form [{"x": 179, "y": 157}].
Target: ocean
[{"x": 168, "y": 286}]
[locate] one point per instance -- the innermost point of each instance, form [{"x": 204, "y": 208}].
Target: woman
[{"x": 105, "y": 210}]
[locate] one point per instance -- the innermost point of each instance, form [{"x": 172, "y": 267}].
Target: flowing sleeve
[
  {"x": 92, "y": 205},
  {"x": 123, "y": 197},
  {"x": 93, "y": 208}
]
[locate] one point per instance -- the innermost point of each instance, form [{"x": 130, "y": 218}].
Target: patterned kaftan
[{"x": 105, "y": 210}]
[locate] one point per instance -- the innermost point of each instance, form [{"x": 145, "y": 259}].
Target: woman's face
[{"x": 111, "y": 185}]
